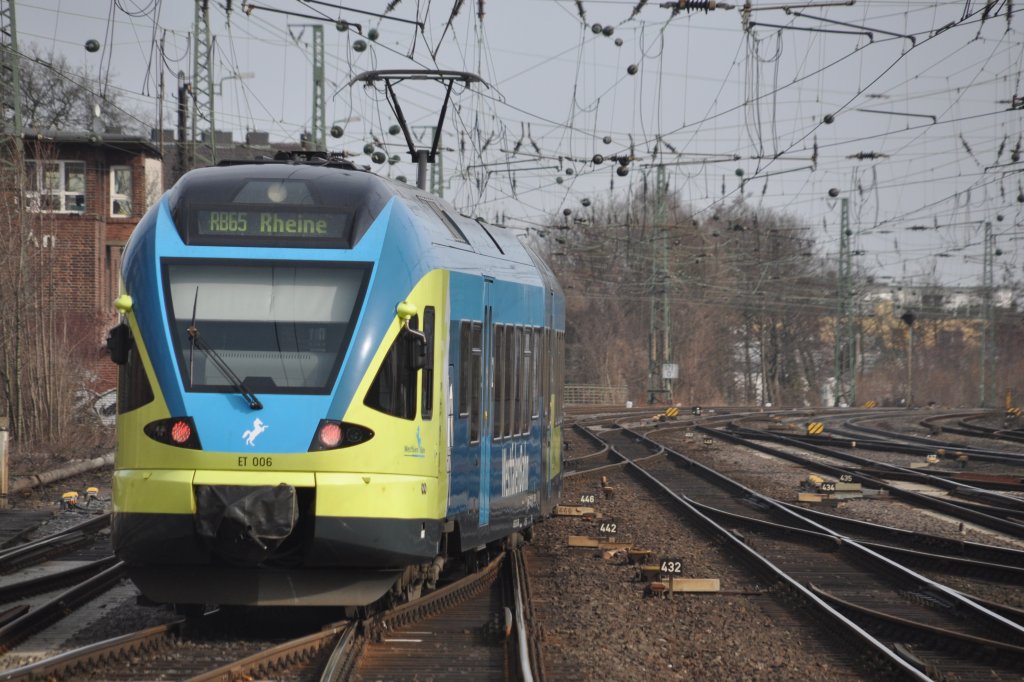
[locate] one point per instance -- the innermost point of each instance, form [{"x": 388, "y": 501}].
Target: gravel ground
[
  {"x": 595, "y": 620},
  {"x": 597, "y": 623},
  {"x": 780, "y": 479}
]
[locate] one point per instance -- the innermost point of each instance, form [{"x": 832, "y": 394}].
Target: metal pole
[
  {"x": 4, "y": 467},
  {"x": 421, "y": 168},
  {"x": 845, "y": 348},
  {"x": 202, "y": 86},
  {"x": 910, "y": 365},
  {"x": 658, "y": 356},
  {"x": 988, "y": 361}
]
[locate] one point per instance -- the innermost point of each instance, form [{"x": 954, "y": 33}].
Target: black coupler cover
[{"x": 245, "y": 524}]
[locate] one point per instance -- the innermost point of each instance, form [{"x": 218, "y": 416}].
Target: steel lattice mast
[
  {"x": 845, "y": 345},
  {"x": 202, "y": 88}
]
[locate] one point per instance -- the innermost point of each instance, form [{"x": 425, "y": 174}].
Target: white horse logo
[{"x": 258, "y": 427}]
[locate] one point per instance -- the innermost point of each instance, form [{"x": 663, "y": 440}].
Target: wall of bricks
[{"x": 83, "y": 249}]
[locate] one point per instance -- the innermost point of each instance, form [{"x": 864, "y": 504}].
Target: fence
[{"x": 583, "y": 394}]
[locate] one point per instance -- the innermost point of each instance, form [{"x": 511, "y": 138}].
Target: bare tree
[
  {"x": 41, "y": 347},
  {"x": 58, "y": 96},
  {"x": 746, "y": 323}
]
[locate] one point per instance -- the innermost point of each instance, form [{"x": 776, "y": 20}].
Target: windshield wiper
[{"x": 199, "y": 342}]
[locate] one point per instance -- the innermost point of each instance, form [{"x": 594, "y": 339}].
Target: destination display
[{"x": 271, "y": 225}]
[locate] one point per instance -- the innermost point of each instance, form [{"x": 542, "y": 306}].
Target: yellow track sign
[
  {"x": 871, "y": 403},
  {"x": 814, "y": 428}
]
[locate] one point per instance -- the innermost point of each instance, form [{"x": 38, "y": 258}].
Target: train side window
[
  {"x": 499, "y": 380},
  {"x": 510, "y": 379},
  {"x": 546, "y": 373},
  {"x": 527, "y": 388},
  {"x": 535, "y": 372},
  {"x": 133, "y": 389},
  {"x": 465, "y": 359},
  {"x": 393, "y": 390},
  {"x": 520, "y": 380},
  {"x": 476, "y": 380},
  {"x": 427, "y": 403}
]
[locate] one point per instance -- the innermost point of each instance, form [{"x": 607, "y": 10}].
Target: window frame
[
  {"x": 345, "y": 344},
  {"x": 35, "y": 171},
  {"x": 476, "y": 336},
  {"x": 119, "y": 196}
]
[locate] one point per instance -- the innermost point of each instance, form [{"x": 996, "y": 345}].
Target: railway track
[
  {"x": 470, "y": 623},
  {"x": 837, "y": 567},
  {"x": 986, "y": 508}
]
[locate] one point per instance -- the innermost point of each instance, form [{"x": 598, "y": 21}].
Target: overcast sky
[{"x": 937, "y": 162}]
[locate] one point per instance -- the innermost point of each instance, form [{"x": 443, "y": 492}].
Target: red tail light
[
  {"x": 331, "y": 435},
  {"x": 181, "y": 432},
  {"x": 177, "y": 431}
]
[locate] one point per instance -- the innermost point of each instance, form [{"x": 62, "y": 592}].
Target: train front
[{"x": 258, "y": 461}]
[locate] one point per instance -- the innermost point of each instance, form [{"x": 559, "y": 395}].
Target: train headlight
[
  {"x": 177, "y": 431},
  {"x": 331, "y": 435}
]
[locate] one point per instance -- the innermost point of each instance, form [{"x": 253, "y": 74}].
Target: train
[{"x": 332, "y": 388}]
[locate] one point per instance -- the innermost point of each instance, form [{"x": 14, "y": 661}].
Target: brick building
[{"x": 87, "y": 192}]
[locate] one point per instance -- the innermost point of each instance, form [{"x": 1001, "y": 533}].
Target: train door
[{"x": 486, "y": 406}]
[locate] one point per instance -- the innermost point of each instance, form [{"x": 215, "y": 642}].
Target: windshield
[{"x": 281, "y": 328}]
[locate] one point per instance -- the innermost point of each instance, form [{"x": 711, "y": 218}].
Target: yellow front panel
[
  {"x": 377, "y": 495},
  {"x": 299, "y": 479},
  {"x": 158, "y": 491}
]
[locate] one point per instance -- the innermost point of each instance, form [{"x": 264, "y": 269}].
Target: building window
[
  {"x": 55, "y": 186},
  {"x": 120, "y": 191}
]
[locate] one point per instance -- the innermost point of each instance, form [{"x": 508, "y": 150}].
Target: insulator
[
  {"x": 999, "y": 217},
  {"x": 359, "y": 46},
  {"x": 829, "y": 118},
  {"x": 337, "y": 131},
  {"x": 367, "y": 148},
  {"x": 622, "y": 171},
  {"x": 567, "y": 212},
  {"x": 833, "y": 192},
  {"x": 393, "y": 159},
  {"x": 623, "y": 160},
  {"x": 400, "y": 178},
  {"x": 618, "y": 42},
  {"x": 559, "y": 180},
  {"x": 998, "y": 252},
  {"x": 569, "y": 171},
  {"x": 607, "y": 139},
  {"x": 739, "y": 172},
  {"x": 608, "y": 30},
  {"x": 698, "y": 5},
  {"x": 585, "y": 202},
  {"x": 394, "y": 129},
  {"x": 373, "y": 34},
  {"x": 596, "y": 28},
  {"x": 632, "y": 69},
  {"x": 597, "y": 160},
  {"x": 341, "y": 25},
  {"x": 92, "y": 45},
  {"x": 378, "y": 157}
]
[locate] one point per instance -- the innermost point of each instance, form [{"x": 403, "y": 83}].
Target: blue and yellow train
[{"x": 331, "y": 384}]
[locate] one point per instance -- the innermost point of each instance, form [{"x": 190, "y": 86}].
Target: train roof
[{"x": 336, "y": 184}]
